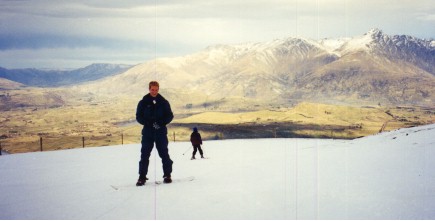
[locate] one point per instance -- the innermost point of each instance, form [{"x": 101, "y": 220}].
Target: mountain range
[
  {"x": 56, "y": 78},
  {"x": 371, "y": 69}
]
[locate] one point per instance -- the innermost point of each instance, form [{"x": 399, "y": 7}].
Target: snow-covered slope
[{"x": 387, "y": 176}]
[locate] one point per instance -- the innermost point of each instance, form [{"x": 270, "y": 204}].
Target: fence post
[
  {"x": 0, "y": 148},
  {"x": 40, "y": 142},
  {"x": 174, "y": 136},
  {"x": 122, "y": 139},
  {"x": 83, "y": 140}
]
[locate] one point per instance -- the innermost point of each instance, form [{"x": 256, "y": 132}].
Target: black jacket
[
  {"x": 152, "y": 110},
  {"x": 195, "y": 138}
]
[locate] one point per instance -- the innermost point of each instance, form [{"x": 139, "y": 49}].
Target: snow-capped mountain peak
[{"x": 375, "y": 32}]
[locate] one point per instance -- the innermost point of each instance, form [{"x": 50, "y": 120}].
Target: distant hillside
[
  {"x": 55, "y": 78},
  {"x": 6, "y": 84}
]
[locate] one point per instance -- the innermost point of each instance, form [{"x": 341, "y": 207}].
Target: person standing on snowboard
[
  {"x": 154, "y": 113},
  {"x": 195, "y": 139}
]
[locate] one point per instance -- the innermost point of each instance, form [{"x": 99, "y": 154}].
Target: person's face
[{"x": 154, "y": 90}]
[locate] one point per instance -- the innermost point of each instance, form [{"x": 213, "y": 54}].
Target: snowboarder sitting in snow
[
  {"x": 154, "y": 113},
  {"x": 195, "y": 139}
]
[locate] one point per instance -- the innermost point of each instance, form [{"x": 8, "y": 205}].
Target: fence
[
  {"x": 50, "y": 143},
  {"x": 208, "y": 132}
]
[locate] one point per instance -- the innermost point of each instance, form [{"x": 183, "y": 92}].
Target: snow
[
  {"x": 173, "y": 62},
  {"x": 333, "y": 45},
  {"x": 357, "y": 44},
  {"x": 386, "y": 176}
]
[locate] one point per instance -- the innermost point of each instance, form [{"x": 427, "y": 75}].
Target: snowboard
[
  {"x": 155, "y": 183},
  {"x": 177, "y": 180}
]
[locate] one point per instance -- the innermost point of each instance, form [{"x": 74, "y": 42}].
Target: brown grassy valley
[{"x": 63, "y": 118}]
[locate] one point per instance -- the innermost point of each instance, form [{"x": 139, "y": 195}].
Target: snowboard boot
[
  {"x": 167, "y": 179},
  {"x": 142, "y": 180},
  {"x": 193, "y": 157}
]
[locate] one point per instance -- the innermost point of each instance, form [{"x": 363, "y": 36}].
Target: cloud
[
  {"x": 39, "y": 41},
  {"x": 60, "y": 58},
  {"x": 426, "y": 17},
  {"x": 172, "y": 27}
]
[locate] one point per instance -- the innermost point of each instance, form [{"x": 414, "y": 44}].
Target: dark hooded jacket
[
  {"x": 152, "y": 110},
  {"x": 195, "y": 138}
]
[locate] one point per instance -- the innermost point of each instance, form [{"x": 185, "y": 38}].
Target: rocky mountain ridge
[{"x": 374, "y": 68}]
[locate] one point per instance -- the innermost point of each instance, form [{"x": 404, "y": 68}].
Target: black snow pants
[
  {"x": 161, "y": 141},
  {"x": 196, "y": 148}
]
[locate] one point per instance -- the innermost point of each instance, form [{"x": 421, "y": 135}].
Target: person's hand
[{"x": 156, "y": 125}]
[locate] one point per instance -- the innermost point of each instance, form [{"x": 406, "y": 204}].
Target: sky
[{"x": 67, "y": 34}]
